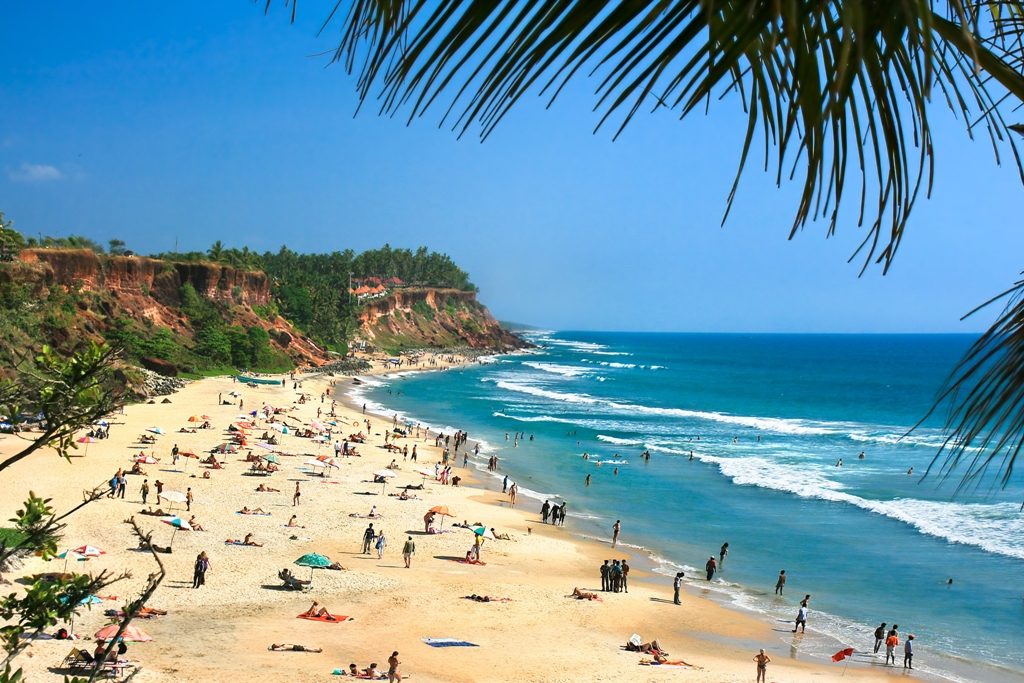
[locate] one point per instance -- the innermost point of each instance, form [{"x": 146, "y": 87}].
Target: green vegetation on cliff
[{"x": 163, "y": 321}]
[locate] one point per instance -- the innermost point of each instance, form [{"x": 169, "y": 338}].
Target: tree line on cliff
[{"x": 310, "y": 291}]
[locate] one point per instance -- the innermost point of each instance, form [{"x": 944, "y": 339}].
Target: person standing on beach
[
  {"x": 616, "y": 528},
  {"x": 202, "y": 566},
  {"x": 159, "y": 489},
  {"x": 762, "y": 661},
  {"x": 144, "y": 490},
  {"x": 711, "y": 567},
  {"x": 801, "y": 619},
  {"x": 381, "y": 544},
  {"x": 625, "y": 575},
  {"x": 879, "y": 637},
  {"x": 780, "y": 583},
  {"x": 188, "y": 499},
  {"x": 545, "y": 509},
  {"x": 908, "y": 652},
  {"x": 408, "y": 550},
  {"x": 891, "y": 641},
  {"x": 393, "y": 672},
  {"x": 297, "y": 495},
  {"x": 368, "y": 538},
  {"x": 122, "y": 485},
  {"x": 605, "y": 576},
  {"x": 721, "y": 555},
  {"x": 512, "y": 491},
  {"x": 504, "y": 484},
  {"x": 677, "y": 583}
]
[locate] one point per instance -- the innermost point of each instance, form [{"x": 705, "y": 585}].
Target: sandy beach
[{"x": 223, "y": 629}]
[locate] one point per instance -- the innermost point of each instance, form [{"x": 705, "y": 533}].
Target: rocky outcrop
[
  {"x": 431, "y": 317},
  {"x": 148, "y": 290},
  {"x": 162, "y": 280}
]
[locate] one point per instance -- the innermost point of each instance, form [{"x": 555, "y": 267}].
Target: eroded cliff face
[
  {"x": 161, "y": 279},
  {"x": 147, "y": 289},
  {"x": 419, "y": 317}
]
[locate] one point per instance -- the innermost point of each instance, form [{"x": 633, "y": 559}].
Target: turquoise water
[{"x": 766, "y": 418}]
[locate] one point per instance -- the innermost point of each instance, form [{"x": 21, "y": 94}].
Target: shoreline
[
  {"x": 540, "y": 635},
  {"x": 646, "y": 563}
]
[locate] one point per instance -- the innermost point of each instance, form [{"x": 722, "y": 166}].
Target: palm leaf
[
  {"x": 985, "y": 422},
  {"x": 838, "y": 93}
]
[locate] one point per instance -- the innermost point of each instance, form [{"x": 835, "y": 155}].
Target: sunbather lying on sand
[
  {"x": 287, "y": 576},
  {"x": 321, "y": 613},
  {"x": 254, "y": 511},
  {"x": 487, "y": 598},
  {"x": 501, "y": 537},
  {"x": 156, "y": 513},
  {"x": 651, "y": 648},
  {"x": 248, "y": 541},
  {"x": 584, "y": 595},
  {"x": 287, "y": 647},
  {"x": 263, "y": 488},
  {"x": 143, "y": 613},
  {"x": 661, "y": 659}
]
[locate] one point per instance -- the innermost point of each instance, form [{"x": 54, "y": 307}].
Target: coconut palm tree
[{"x": 837, "y": 93}]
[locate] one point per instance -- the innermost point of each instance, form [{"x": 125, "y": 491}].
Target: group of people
[
  {"x": 891, "y": 640},
  {"x": 556, "y": 513},
  {"x": 615, "y": 576}
]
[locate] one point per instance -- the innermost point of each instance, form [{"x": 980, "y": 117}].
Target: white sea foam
[
  {"x": 619, "y": 442},
  {"x": 620, "y": 366},
  {"x": 994, "y": 527},
  {"x": 558, "y": 369},
  {"x": 774, "y": 424},
  {"x": 611, "y": 353}
]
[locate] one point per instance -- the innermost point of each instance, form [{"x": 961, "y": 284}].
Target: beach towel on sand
[
  {"x": 338, "y": 618},
  {"x": 448, "y": 642}
]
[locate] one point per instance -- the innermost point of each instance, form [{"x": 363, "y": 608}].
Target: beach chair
[
  {"x": 293, "y": 583},
  {"x": 77, "y": 660}
]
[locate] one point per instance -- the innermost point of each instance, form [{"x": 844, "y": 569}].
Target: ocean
[{"x": 766, "y": 418}]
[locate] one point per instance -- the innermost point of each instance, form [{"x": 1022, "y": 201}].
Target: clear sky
[{"x": 188, "y": 122}]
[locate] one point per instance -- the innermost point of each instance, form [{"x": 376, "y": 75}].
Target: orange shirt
[{"x": 892, "y": 641}]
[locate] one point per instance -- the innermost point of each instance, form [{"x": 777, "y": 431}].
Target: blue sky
[{"x": 189, "y": 122}]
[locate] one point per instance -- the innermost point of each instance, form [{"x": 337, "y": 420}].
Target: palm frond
[
  {"x": 837, "y": 92},
  {"x": 835, "y": 86},
  {"x": 985, "y": 395}
]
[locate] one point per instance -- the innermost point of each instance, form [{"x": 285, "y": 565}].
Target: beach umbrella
[
  {"x": 441, "y": 510},
  {"x": 172, "y": 496},
  {"x": 145, "y": 460},
  {"x": 71, "y": 555},
  {"x": 483, "y": 531},
  {"x": 177, "y": 523},
  {"x": 385, "y": 475},
  {"x": 425, "y": 473},
  {"x": 273, "y": 458},
  {"x": 89, "y": 551},
  {"x": 187, "y": 455},
  {"x": 155, "y": 430},
  {"x": 132, "y": 634},
  {"x": 195, "y": 418},
  {"x": 317, "y": 425},
  {"x": 101, "y": 423},
  {"x": 313, "y": 561},
  {"x": 86, "y": 440}
]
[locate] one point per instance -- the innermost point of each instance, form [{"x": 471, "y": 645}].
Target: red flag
[{"x": 842, "y": 654}]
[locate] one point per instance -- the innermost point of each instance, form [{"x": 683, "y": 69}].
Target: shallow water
[{"x": 766, "y": 418}]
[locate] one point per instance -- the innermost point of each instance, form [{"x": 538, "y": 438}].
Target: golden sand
[{"x": 222, "y": 630}]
